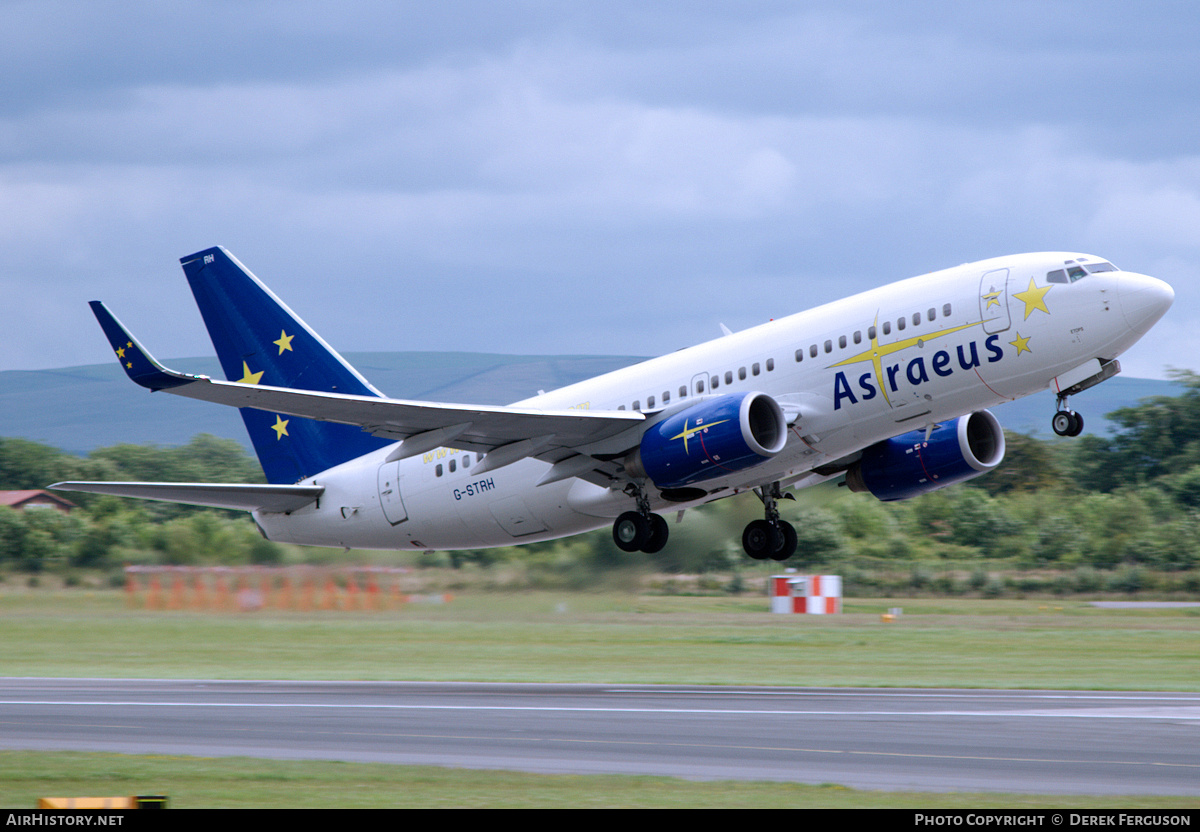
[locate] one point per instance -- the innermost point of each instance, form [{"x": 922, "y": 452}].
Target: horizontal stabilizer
[{"x": 216, "y": 495}]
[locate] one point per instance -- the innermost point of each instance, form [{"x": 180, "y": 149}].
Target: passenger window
[
  {"x": 812, "y": 351},
  {"x": 900, "y": 324},
  {"x": 946, "y": 311},
  {"x": 871, "y": 332},
  {"x": 699, "y": 386},
  {"x": 453, "y": 465},
  {"x": 650, "y": 402},
  {"x": 666, "y": 396},
  {"x": 620, "y": 407},
  {"x": 683, "y": 392},
  {"x": 858, "y": 336},
  {"x": 828, "y": 346},
  {"x": 467, "y": 461},
  {"x": 729, "y": 376},
  {"x": 714, "y": 382},
  {"x": 933, "y": 314},
  {"x": 842, "y": 342},
  {"x": 741, "y": 373},
  {"x": 916, "y": 319},
  {"x": 770, "y": 364},
  {"x": 800, "y": 354},
  {"x": 754, "y": 368},
  {"x": 637, "y": 405},
  {"x": 438, "y": 470},
  {"x": 887, "y": 327}
]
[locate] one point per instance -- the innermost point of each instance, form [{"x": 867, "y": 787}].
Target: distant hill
[{"x": 82, "y": 408}]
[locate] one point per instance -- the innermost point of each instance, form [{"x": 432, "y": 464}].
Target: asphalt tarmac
[{"x": 1046, "y": 742}]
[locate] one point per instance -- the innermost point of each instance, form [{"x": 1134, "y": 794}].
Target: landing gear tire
[
  {"x": 631, "y": 531},
  {"x": 762, "y": 539},
  {"x": 659, "y": 532},
  {"x": 787, "y": 539},
  {"x": 635, "y": 532},
  {"x": 1067, "y": 423}
]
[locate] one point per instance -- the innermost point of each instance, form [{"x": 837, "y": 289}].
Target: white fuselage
[{"x": 849, "y": 373}]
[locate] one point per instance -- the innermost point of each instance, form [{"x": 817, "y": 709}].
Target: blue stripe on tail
[{"x": 260, "y": 341}]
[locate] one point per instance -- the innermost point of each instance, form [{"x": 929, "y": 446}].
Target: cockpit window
[{"x": 1078, "y": 271}]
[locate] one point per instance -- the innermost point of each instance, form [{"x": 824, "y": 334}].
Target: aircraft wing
[
  {"x": 504, "y": 433},
  {"x": 217, "y": 495}
]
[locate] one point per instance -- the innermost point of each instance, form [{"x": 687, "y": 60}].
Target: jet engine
[
  {"x": 909, "y": 465},
  {"x": 713, "y": 438}
]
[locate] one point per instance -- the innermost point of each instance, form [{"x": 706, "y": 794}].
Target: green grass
[
  {"x": 568, "y": 637},
  {"x": 238, "y": 782},
  {"x": 606, "y": 638}
]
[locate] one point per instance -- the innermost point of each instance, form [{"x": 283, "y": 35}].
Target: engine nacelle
[
  {"x": 716, "y": 437},
  {"x": 907, "y": 465}
]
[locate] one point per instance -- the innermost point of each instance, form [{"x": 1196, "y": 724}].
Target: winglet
[{"x": 137, "y": 363}]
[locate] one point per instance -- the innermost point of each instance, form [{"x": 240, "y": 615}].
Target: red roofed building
[{"x": 21, "y": 500}]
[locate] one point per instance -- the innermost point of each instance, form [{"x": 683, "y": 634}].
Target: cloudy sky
[{"x": 555, "y": 177}]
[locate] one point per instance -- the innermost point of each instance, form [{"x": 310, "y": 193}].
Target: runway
[{"x": 1049, "y": 742}]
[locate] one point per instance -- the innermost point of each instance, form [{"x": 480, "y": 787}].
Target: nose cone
[{"x": 1143, "y": 300}]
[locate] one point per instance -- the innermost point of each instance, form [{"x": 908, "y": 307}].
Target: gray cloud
[{"x": 520, "y": 177}]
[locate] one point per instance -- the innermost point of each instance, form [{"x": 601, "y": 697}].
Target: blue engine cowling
[
  {"x": 711, "y": 439},
  {"x": 907, "y": 465}
]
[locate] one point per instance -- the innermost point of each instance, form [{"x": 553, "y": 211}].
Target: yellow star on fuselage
[
  {"x": 284, "y": 342},
  {"x": 992, "y": 298},
  {"x": 1033, "y": 298},
  {"x": 280, "y": 427},
  {"x": 1022, "y": 344},
  {"x": 249, "y": 377}
]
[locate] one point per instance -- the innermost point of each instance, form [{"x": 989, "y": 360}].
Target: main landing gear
[
  {"x": 640, "y": 531},
  {"x": 1066, "y": 422},
  {"x": 770, "y": 537}
]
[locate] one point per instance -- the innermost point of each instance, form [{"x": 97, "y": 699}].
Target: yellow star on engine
[
  {"x": 280, "y": 427},
  {"x": 284, "y": 342},
  {"x": 1033, "y": 298},
  {"x": 249, "y": 377},
  {"x": 1022, "y": 344}
]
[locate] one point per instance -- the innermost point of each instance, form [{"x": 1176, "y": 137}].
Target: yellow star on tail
[
  {"x": 284, "y": 342},
  {"x": 280, "y": 427},
  {"x": 249, "y": 377}
]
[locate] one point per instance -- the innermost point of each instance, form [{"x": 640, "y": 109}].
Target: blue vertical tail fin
[{"x": 259, "y": 340}]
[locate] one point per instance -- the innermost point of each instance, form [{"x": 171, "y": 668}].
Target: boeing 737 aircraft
[{"x": 886, "y": 389}]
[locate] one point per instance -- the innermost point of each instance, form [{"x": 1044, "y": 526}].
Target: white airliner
[{"x": 886, "y": 389}]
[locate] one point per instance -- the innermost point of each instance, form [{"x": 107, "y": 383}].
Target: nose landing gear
[{"x": 1066, "y": 422}]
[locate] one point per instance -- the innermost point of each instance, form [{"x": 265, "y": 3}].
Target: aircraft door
[
  {"x": 389, "y": 493},
  {"x": 993, "y": 301}
]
